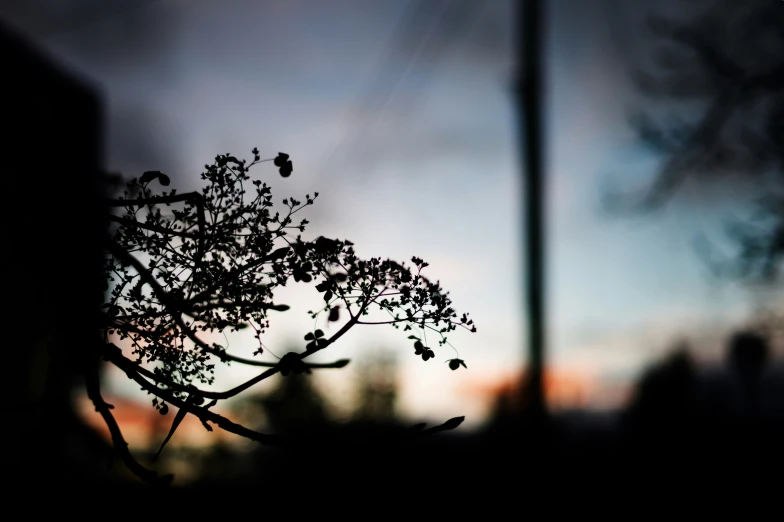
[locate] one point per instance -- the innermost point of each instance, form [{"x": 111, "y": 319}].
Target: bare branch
[
  {"x": 120, "y": 445},
  {"x": 114, "y": 354},
  {"x": 202, "y": 413},
  {"x": 154, "y": 228},
  {"x": 194, "y": 197}
]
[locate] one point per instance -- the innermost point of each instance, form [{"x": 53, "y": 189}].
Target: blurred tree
[
  {"x": 179, "y": 266},
  {"x": 377, "y": 389},
  {"x": 294, "y": 405},
  {"x": 716, "y": 115},
  {"x": 665, "y": 395}
]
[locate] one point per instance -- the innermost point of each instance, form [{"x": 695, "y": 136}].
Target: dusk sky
[{"x": 401, "y": 116}]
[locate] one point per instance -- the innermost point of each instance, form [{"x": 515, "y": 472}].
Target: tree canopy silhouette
[
  {"x": 716, "y": 115},
  {"x": 180, "y": 267}
]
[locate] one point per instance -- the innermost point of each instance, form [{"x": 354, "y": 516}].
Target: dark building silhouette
[{"x": 52, "y": 226}]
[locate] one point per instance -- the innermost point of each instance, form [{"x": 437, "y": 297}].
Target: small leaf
[
  {"x": 281, "y": 159},
  {"x": 286, "y": 169},
  {"x": 164, "y": 409},
  {"x": 334, "y": 314},
  {"x": 148, "y": 176},
  {"x": 151, "y": 175},
  {"x": 281, "y": 252},
  {"x": 318, "y": 333},
  {"x": 309, "y": 336},
  {"x": 279, "y": 307},
  {"x": 454, "y": 364},
  {"x": 453, "y": 423}
]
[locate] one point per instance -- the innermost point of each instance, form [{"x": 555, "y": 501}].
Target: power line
[
  {"x": 433, "y": 46},
  {"x": 463, "y": 15},
  {"x": 379, "y": 90}
]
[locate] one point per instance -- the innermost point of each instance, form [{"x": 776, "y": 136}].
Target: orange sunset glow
[
  {"x": 564, "y": 389},
  {"x": 144, "y": 428}
]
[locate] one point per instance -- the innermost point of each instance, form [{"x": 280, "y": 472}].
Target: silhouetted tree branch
[
  {"x": 179, "y": 266},
  {"x": 120, "y": 445}
]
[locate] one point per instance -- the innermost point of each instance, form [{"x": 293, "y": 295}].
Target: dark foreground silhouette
[{"x": 683, "y": 427}]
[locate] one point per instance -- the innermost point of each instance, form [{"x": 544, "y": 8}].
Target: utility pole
[{"x": 530, "y": 91}]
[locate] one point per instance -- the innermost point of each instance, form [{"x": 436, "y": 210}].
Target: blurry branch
[
  {"x": 727, "y": 74},
  {"x": 760, "y": 243},
  {"x": 719, "y": 115},
  {"x": 715, "y": 62},
  {"x": 682, "y": 157}
]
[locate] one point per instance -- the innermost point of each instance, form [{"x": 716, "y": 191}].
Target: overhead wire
[
  {"x": 379, "y": 90},
  {"x": 461, "y": 16}
]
